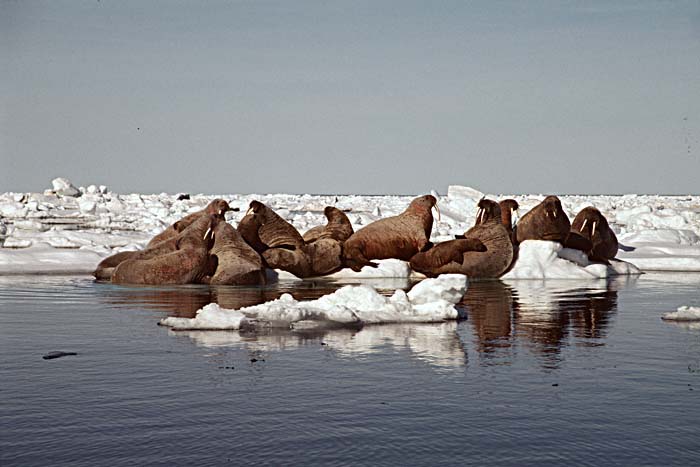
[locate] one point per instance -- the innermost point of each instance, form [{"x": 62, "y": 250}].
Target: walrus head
[
  {"x": 489, "y": 210},
  {"x": 424, "y": 204},
  {"x": 509, "y": 209},
  {"x": 589, "y": 222},
  {"x": 552, "y": 206},
  {"x": 218, "y": 207}
]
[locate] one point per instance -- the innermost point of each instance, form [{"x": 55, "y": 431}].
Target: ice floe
[
  {"x": 539, "y": 259},
  {"x": 683, "y": 313},
  {"x": 432, "y": 300},
  {"x": 655, "y": 232}
]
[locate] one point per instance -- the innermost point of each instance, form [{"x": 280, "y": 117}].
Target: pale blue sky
[{"x": 351, "y": 97}]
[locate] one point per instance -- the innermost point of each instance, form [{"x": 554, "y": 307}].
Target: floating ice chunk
[
  {"x": 539, "y": 259},
  {"x": 63, "y": 187},
  {"x": 684, "y": 313},
  {"x": 433, "y": 301}
]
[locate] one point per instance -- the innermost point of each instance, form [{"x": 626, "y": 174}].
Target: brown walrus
[
  {"x": 237, "y": 263},
  {"x": 475, "y": 261},
  {"x": 263, "y": 228},
  {"x": 338, "y": 227},
  {"x": 398, "y": 237},
  {"x": 546, "y": 221},
  {"x": 508, "y": 207},
  {"x": 593, "y": 227},
  {"x": 105, "y": 269},
  {"x": 189, "y": 263},
  {"x": 217, "y": 207},
  {"x": 282, "y": 247}
]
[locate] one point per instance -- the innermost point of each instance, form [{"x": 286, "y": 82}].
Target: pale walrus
[
  {"x": 398, "y": 237},
  {"x": 594, "y": 227},
  {"x": 338, "y": 227},
  {"x": 105, "y": 269},
  {"x": 475, "y": 261},
  {"x": 237, "y": 263},
  {"x": 217, "y": 207},
  {"x": 188, "y": 264},
  {"x": 546, "y": 221}
]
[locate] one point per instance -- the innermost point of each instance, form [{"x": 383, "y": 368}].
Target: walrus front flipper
[{"x": 459, "y": 237}]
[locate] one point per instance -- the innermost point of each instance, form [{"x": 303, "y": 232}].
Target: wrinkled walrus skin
[
  {"x": 447, "y": 256},
  {"x": 217, "y": 207},
  {"x": 237, "y": 263},
  {"x": 546, "y": 221},
  {"x": 338, "y": 227},
  {"x": 593, "y": 226},
  {"x": 492, "y": 263},
  {"x": 399, "y": 237},
  {"x": 188, "y": 264}
]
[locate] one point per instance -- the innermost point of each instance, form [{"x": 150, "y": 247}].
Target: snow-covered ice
[
  {"x": 683, "y": 313},
  {"x": 655, "y": 232},
  {"x": 432, "y": 300}
]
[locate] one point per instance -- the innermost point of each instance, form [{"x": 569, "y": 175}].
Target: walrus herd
[{"x": 202, "y": 248}]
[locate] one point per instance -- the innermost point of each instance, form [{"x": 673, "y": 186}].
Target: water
[{"x": 581, "y": 373}]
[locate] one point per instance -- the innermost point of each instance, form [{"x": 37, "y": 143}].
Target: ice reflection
[
  {"x": 543, "y": 317},
  {"x": 436, "y": 344}
]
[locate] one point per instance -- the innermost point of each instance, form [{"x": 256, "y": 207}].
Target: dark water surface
[{"x": 541, "y": 373}]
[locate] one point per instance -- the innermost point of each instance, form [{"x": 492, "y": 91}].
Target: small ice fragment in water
[{"x": 684, "y": 313}]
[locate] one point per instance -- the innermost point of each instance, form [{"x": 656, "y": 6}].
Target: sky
[{"x": 367, "y": 97}]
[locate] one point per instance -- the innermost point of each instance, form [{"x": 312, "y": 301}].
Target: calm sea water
[{"x": 541, "y": 373}]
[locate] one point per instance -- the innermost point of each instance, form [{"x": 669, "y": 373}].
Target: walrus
[
  {"x": 546, "y": 221},
  {"x": 593, "y": 226},
  {"x": 508, "y": 207},
  {"x": 338, "y": 227},
  {"x": 217, "y": 207},
  {"x": 189, "y": 263},
  {"x": 398, "y": 237},
  {"x": 105, "y": 268},
  {"x": 237, "y": 263},
  {"x": 282, "y": 247},
  {"x": 486, "y": 249},
  {"x": 262, "y": 228}
]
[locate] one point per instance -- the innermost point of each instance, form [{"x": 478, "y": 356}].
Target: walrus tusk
[
  {"x": 593, "y": 229},
  {"x": 249, "y": 211},
  {"x": 206, "y": 233},
  {"x": 583, "y": 226},
  {"x": 478, "y": 215},
  {"x": 438, "y": 211},
  {"x": 554, "y": 213}
]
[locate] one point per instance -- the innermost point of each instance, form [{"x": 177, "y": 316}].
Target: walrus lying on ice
[
  {"x": 398, "y": 237},
  {"x": 282, "y": 247},
  {"x": 601, "y": 243},
  {"x": 188, "y": 263},
  {"x": 484, "y": 251}
]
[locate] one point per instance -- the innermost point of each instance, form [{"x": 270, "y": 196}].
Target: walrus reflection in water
[
  {"x": 486, "y": 251},
  {"x": 282, "y": 247},
  {"x": 399, "y": 237},
  {"x": 600, "y": 242},
  {"x": 162, "y": 243},
  {"x": 546, "y": 221},
  {"x": 188, "y": 264},
  {"x": 338, "y": 227}
]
